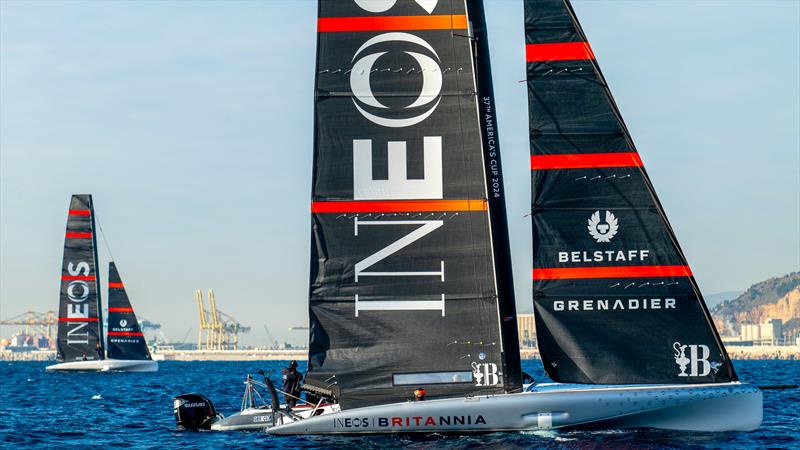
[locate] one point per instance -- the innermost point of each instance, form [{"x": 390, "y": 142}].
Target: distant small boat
[
  {"x": 80, "y": 345},
  {"x": 195, "y": 411}
]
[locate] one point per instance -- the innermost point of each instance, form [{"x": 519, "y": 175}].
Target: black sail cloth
[
  {"x": 79, "y": 312},
  {"x": 403, "y": 292},
  {"x": 614, "y": 297},
  {"x": 125, "y": 337}
]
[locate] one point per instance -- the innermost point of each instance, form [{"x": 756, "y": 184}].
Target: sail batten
[{"x": 614, "y": 297}]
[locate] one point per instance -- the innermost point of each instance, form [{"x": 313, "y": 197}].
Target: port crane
[
  {"x": 42, "y": 323},
  {"x": 218, "y": 331}
]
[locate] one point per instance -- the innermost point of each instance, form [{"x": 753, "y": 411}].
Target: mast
[
  {"x": 495, "y": 188},
  {"x": 125, "y": 337},
  {"x": 614, "y": 297},
  {"x": 403, "y": 289},
  {"x": 80, "y": 316}
]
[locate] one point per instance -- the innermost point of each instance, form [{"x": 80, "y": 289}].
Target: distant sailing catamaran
[
  {"x": 411, "y": 279},
  {"x": 80, "y": 345}
]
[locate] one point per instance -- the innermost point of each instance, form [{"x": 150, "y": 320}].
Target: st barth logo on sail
[
  {"x": 697, "y": 361},
  {"x": 485, "y": 374}
]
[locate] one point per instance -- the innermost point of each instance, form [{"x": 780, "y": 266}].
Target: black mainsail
[
  {"x": 125, "y": 337},
  {"x": 406, "y": 240},
  {"x": 79, "y": 313},
  {"x": 614, "y": 297}
]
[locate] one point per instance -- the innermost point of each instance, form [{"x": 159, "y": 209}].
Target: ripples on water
[{"x": 135, "y": 410}]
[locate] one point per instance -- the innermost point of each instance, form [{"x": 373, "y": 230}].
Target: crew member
[
  {"x": 99, "y": 350},
  {"x": 291, "y": 384},
  {"x": 419, "y": 395}
]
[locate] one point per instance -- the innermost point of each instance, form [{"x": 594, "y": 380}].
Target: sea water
[{"x": 102, "y": 410}]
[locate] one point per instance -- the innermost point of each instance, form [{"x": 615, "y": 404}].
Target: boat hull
[
  {"x": 706, "y": 407},
  {"x": 106, "y": 365},
  {"x": 260, "y": 418}
]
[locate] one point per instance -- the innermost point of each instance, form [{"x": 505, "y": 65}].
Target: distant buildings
[
  {"x": 23, "y": 342},
  {"x": 526, "y": 327},
  {"x": 769, "y": 332},
  {"x": 766, "y": 333}
]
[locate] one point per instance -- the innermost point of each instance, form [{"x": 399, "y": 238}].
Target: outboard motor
[{"x": 194, "y": 412}]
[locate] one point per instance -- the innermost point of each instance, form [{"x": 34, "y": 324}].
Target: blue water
[{"x": 101, "y": 410}]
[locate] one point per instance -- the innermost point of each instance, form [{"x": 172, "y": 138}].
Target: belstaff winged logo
[{"x": 603, "y": 231}]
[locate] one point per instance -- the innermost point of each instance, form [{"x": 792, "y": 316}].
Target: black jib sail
[
  {"x": 403, "y": 292},
  {"x": 79, "y": 313},
  {"x": 125, "y": 338},
  {"x": 614, "y": 297}
]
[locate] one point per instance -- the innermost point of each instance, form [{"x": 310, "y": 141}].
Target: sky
[{"x": 191, "y": 124}]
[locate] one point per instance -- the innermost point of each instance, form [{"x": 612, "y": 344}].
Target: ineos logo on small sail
[
  {"x": 361, "y": 75},
  {"x": 697, "y": 361},
  {"x": 78, "y": 292},
  {"x": 603, "y": 231}
]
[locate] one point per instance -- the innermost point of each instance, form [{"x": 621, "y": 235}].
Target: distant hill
[
  {"x": 713, "y": 300},
  {"x": 774, "y": 298}
]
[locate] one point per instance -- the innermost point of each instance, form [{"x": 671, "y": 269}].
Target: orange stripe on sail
[
  {"x": 78, "y": 235},
  {"x": 611, "y": 272},
  {"x": 398, "y": 206},
  {"x": 125, "y": 333},
  {"x": 562, "y": 51},
  {"x": 585, "y": 160},
  {"x": 392, "y": 23}
]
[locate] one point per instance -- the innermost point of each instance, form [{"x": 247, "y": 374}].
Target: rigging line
[{"x": 103, "y": 235}]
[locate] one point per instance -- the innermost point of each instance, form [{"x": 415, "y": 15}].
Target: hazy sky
[{"x": 191, "y": 124}]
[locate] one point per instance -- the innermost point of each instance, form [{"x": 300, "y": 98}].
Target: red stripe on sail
[
  {"x": 398, "y": 206},
  {"x": 119, "y": 285},
  {"x": 611, "y": 272},
  {"x": 585, "y": 160},
  {"x": 80, "y": 212},
  {"x": 130, "y": 310},
  {"x": 77, "y": 319},
  {"x": 77, "y": 277},
  {"x": 125, "y": 333},
  {"x": 392, "y": 23},
  {"x": 563, "y": 51},
  {"x": 78, "y": 235}
]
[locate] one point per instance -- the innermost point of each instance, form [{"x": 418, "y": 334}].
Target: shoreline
[{"x": 767, "y": 352}]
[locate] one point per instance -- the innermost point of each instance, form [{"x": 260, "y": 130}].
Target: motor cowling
[{"x": 194, "y": 412}]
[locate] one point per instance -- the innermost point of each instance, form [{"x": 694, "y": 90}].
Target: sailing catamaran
[
  {"x": 80, "y": 345},
  {"x": 410, "y": 270}
]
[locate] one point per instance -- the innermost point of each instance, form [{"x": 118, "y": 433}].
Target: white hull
[
  {"x": 706, "y": 407},
  {"x": 107, "y": 365}
]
